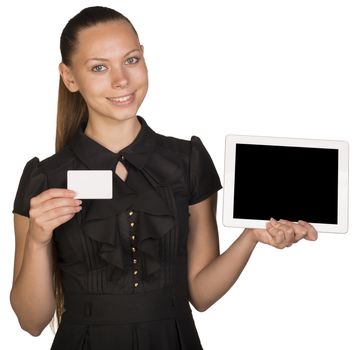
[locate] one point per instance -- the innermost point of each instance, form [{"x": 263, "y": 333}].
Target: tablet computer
[{"x": 286, "y": 178}]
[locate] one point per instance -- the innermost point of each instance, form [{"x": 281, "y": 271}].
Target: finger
[
  {"x": 60, "y": 211},
  {"x": 60, "y": 202},
  {"x": 312, "y": 234},
  {"x": 274, "y": 223},
  {"x": 289, "y": 233},
  {"x": 277, "y": 235},
  {"x": 51, "y": 224},
  {"x": 299, "y": 230},
  {"x": 51, "y": 193},
  {"x": 61, "y": 220},
  {"x": 39, "y": 215},
  {"x": 282, "y": 232},
  {"x": 53, "y": 203}
]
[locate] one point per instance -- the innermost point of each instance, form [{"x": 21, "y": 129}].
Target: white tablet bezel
[{"x": 229, "y": 169}]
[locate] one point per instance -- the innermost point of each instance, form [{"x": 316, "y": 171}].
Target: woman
[{"x": 120, "y": 272}]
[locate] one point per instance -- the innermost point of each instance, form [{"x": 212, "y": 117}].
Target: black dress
[{"x": 124, "y": 260}]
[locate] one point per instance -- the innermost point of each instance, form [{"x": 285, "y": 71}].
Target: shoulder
[
  {"x": 183, "y": 152},
  {"x": 38, "y": 176},
  {"x": 169, "y": 160},
  {"x": 54, "y": 167},
  {"x": 191, "y": 162},
  {"x": 171, "y": 144},
  {"x": 57, "y": 161}
]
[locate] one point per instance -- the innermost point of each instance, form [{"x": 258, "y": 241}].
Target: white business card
[{"x": 90, "y": 184}]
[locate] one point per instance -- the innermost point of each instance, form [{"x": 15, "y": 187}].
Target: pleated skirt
[{"x": 157, "y": 320}]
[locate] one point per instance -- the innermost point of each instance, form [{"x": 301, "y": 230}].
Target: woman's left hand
[{"x": 284, "y": 233}]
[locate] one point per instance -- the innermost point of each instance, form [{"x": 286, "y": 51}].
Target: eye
[
  {"x": 132, "y": 60},
  {"x": 98, "y": 68}
]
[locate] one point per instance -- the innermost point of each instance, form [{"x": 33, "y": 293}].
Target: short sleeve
[
  {"x": 32, "y": 182},
  {"x": 204, "y": 179}
]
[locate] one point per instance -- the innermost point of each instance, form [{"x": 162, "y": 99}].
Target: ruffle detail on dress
[
  {"x": 101, "y": 222},
  {"x": 68, "y": 242},
  {"x": 149, "y": 244}
]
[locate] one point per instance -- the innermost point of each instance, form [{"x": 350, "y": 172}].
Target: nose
[{"x": 119, "y": 78}]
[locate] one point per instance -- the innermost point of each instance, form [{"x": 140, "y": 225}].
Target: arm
[
  {"x": 32, "y": 295},
  {"x": 211, "y": 274}
]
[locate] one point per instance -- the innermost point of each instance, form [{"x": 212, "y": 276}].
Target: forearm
[
  {"x": 32, "y": 296},
  {"x": 211, "y": 283}
]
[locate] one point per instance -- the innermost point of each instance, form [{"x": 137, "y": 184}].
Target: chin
[{"x": 124, "y": 116}]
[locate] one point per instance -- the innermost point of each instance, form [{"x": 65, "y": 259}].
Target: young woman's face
[{"x": 109, "y": 70}]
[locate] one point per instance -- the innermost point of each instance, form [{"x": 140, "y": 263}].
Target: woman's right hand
[{"x": 50, "y": 209}]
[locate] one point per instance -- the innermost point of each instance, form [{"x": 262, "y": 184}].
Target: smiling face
[{"x": 109, "y": 70}]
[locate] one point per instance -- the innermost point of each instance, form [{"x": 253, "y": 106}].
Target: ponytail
[{"x": 71, "y": 111}]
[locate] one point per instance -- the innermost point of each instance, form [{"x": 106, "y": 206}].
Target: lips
[{"x": 119, "y": 100}]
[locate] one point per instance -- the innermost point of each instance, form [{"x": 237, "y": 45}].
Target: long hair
[{"x": 71, "y": 108}]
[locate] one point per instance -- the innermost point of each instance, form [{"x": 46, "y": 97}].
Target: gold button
[
  {"x": 132, "y": 224},
  {"x": 136, "y": 284},
  {"x": 135, "y": 272},
  {"x": 134, "y": 261},
  {"x": 133, "y": 249},
  {"x": 130, "y": 213},
  {"x": 133, "y": 237}
]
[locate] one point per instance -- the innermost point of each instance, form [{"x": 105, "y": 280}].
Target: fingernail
[{"x": 78, "y": 201}]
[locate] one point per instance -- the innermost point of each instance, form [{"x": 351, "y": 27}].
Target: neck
[{"x": 114, "y": 135}]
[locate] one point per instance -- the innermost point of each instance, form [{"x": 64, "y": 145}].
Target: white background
[{"x": 276, "y": 68}]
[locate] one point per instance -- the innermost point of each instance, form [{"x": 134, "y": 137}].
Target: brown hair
[{"x": 71, "y": 107}]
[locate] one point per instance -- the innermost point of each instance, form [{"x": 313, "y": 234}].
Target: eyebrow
[{"x": 106, "y": 59}]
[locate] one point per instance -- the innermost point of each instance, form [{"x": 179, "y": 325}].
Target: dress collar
[{"x": 96, "y": 156}]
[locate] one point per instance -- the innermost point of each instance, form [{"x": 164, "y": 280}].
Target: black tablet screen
[{"x": 292, "y": 183}]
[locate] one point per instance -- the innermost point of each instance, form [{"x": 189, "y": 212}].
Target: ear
[{"x": 67, "y": 77}]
